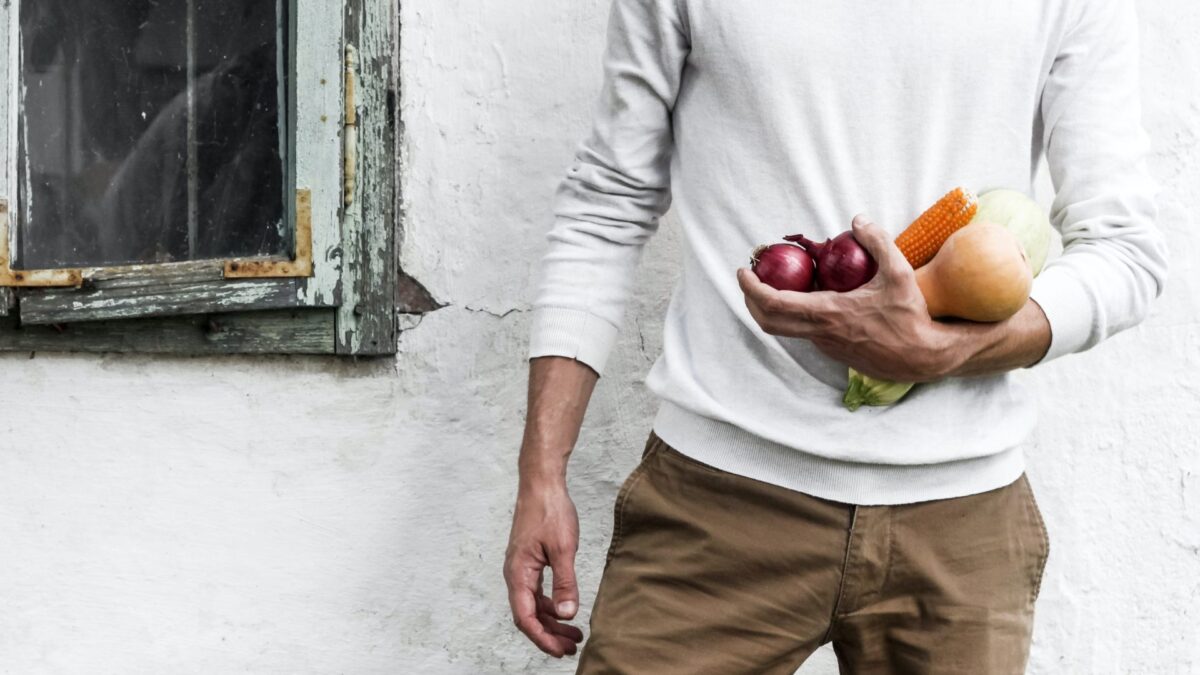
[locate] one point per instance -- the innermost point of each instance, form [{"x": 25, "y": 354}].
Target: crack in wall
[
  {"x": 498, "y": 315},
  {"x": 641, "y": 334},
  {"x": 407, "y": 322}
]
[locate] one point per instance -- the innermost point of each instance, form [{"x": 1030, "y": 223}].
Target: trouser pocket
[
  {"x": 653, "y": 445},
  {"x": 1043, "y": 535}
]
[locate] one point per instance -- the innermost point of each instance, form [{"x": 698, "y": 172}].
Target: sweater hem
[{"x": 729, "y": 448}]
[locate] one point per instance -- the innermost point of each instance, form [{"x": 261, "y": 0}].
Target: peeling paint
[
  {"x": 318, "y": 145},
  {"x": 366, "y": 321},
  {"x": 249, "y": 294},
  {"x": 7, "y": 133},
  {"x": 350, "y": 133},
  {"x": 414, "y": 298}
]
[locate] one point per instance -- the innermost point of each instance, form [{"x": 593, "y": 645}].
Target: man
[{"x": 765, "y": 519}]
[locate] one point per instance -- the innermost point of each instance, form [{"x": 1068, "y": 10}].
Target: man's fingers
[
  {"x": 785, "y": 313},
  {"x": 562, "y": 630},
  {"x": 871, "y": 236},
  {"x": 525, "y": 617},
  {"x": 754, "y": 296},
  {"x": 879, "y": 244},
  {"x": 546, "y": 634},
  {"x": 564, "y": 587},
  {"x": 752, "y": 287},
  {"x": 766, "y": 298},
  {"x": 547, "y": 614},
  {"x": 768, "y": 301},
  {"x": 554, "y": 645},
  {"x": 524, "y": 588}
]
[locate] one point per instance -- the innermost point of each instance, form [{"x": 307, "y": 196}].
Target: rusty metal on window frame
[
  {"x": 29, "y": 278},
  {"x": 299, "y": 265}
]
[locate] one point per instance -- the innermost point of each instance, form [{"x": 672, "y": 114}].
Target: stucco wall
[{"x": 295, "y": 515}]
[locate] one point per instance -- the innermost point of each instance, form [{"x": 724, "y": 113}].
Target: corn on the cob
[{"x": 922, "y": 240}]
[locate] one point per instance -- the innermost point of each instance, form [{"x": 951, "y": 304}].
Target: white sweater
[{"x": 759, "y": 119}]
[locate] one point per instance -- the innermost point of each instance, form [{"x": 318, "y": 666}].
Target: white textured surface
[{"x": 305, "y": 516}]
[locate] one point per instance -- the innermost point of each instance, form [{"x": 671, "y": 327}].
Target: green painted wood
[
  {"x": 367, "y": 320},
  {"x": 317, "y": 160},
  {"x": 154, "y": 296},
  {"x": 297, "y": 331}
]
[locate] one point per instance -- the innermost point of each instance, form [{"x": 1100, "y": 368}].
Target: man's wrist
[
  {"x": 542, "y": 475},
  {"x": 958, "y": 343}
]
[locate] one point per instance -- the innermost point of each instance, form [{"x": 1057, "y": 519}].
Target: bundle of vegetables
[
  {"x": 975, "y": 259},
  {"x": 978, "y": 267}
]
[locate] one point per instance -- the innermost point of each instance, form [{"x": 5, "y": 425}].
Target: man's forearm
[
  {"x": 987, "y": 349},
  {"x": 559, "y": 391}
]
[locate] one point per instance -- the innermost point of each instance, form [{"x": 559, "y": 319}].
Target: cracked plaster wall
[{"x": 300, "y": 515}]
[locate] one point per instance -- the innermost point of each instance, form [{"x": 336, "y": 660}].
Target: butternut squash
[
  {"x": 981, "y": 274},
  {"x": 1023, "y": 217}
]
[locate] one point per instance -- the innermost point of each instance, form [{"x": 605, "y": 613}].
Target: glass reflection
[{"x": 150, "y": 131}]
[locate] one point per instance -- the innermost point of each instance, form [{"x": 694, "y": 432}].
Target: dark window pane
[{"x": 150, "y": 132}]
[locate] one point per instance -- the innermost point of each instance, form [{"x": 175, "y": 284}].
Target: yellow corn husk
[
  {"x": 866, "y": 390},
  {"x": 921, "y": 241}
]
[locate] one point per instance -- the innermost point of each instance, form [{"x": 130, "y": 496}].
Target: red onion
[
  {"x": 784, "y": 267},
  {"x": 842, "y": 263}
]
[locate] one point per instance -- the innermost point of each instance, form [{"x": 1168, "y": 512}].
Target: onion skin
[
  {"x": 784, "y": 267},
  {"x": 842, "y": 263}
]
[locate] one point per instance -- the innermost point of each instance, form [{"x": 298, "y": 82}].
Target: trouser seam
[
  {"x": 837, "y": 604},
  {"x": 891, "y": 554}
]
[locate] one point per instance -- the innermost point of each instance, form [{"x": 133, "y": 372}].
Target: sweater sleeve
[
  {"x": 1114, "y": 261},
  {"x": 608, "y": 205}
]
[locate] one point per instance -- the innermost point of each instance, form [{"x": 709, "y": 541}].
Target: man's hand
[
  {"x": 545, "y": 529},
  {"x": 545, "y": 532},
  {"x": 882, "y": 329}
]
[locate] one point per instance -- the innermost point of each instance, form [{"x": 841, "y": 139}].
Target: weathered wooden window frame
[{"x": 336, "y": 295}]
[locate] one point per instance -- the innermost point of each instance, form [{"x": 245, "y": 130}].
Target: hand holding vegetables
[
  {"x": 882, "y": 328},
  {"x": 981, "y": 273},
  {"x": 925, "y": 239}
]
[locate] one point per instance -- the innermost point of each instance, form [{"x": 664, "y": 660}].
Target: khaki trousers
[{"x": 709, "y": 572}]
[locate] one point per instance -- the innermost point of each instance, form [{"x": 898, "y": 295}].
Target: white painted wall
[{"x": 297, "y": 515}]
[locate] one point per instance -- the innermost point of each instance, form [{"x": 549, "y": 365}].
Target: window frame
[{"x": 339, "y": 299}]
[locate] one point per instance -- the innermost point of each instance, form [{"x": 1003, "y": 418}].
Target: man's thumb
[
  {"x": 565, "y": 591},
  {"x": 879, "y": 244}
]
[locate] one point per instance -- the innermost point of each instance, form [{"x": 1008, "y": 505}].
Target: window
[{"x": 185, "y": 175}]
